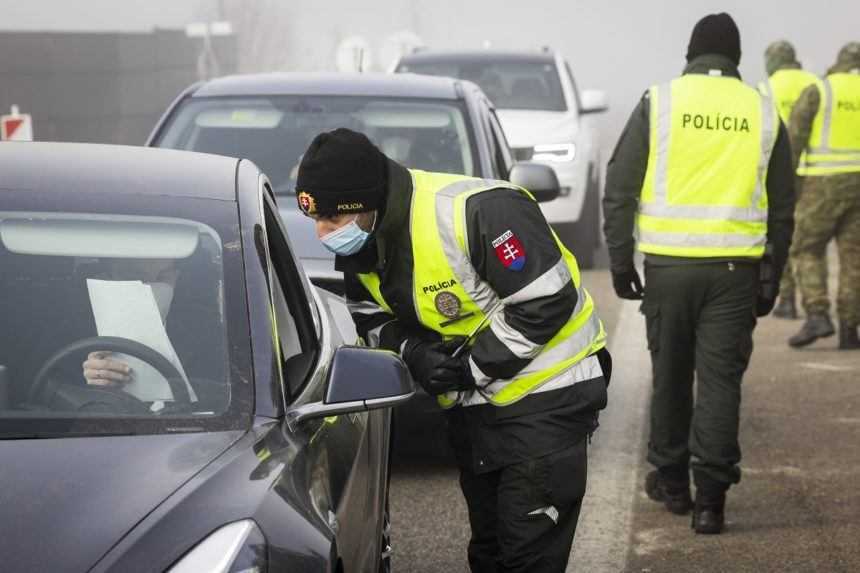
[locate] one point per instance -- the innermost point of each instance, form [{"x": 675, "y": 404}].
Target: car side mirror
[
  {"x": 593, "y": 101},
  {"x": 359, "y": 379},
  {"x": 538, "y": 179}
]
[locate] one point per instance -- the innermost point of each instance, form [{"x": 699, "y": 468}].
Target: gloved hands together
[
  {"x": 627, "y": 284},
  {"x": 432, "y": 366}
]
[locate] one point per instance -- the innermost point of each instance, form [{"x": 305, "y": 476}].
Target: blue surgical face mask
[{"x": 347, "y": 240}]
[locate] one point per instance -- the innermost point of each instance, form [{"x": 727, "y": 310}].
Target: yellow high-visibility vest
[
  {"x": 452, "y": 299},
  {"x": 834, "y": 144},
  {"x": 704, "y": 191},
  {"x": 784, "y": 88}
]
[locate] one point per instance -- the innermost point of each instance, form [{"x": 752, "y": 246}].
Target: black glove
[
  {"x": 433, "y": 367},
  {"x": 763, "y": 305},
  {"x": 627, "y": 284}
]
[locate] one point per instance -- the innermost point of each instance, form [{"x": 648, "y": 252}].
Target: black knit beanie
[
  {"x": 341, "y": 172},
  {"x": 715, "y": 34}
]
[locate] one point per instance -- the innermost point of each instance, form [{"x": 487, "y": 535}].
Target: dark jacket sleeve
[
  {"x": 376, "y": 326},
  {"x": 624, "y": 177},
  {"x": 538, "y": 298},
  {"x": 780, "y": 200}
]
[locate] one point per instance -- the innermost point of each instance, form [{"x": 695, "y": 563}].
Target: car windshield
[
  {"x": 514, "y": 84},
  {"x": 274, "y": 132},
  {"x": 143, "y": 292}
]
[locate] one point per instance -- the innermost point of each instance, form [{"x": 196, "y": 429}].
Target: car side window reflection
[{"x": 296, "y": 334}]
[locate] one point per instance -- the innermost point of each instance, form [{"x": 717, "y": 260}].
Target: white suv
[{"x": 541, "y": 112}]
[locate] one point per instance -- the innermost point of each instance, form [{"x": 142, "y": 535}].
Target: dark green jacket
[{"x": 626, "y": 173}]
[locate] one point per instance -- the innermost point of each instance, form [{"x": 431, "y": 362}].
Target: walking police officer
[
  {"x": 786, "y": 81},
  {"x": 825, "y": 134},
  {"x": 703, "y": 172},
  {"x": 429, "y": 258}
]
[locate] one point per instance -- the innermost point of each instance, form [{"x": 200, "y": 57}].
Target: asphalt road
[{"x": 796, "y": 508}]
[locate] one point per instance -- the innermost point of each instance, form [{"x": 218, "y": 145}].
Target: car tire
[{"x": 585, "y": 236}]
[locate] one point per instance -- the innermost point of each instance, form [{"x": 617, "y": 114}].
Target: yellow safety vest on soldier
[
  {"x": 459, "y": 304},
  {"x": 704, "y": 193},
  {"x": 834, "y": 144},
  {"x": 784, "y": 88}
]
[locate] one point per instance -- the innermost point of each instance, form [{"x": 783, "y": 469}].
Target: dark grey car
[
  {"x": 423, "y": 122},
  {"x": 248, "y": 439}
]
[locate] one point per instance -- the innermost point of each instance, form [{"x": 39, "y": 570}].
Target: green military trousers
[
  {"x": 828, "y": 208},
  {"x": 700, "y": 319},
  {"x": 788, "y": 284}
]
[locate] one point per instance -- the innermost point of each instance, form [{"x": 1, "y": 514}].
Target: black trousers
[
  {"x": 523, "y": 516},
  {"x": 700, "y": 319}
]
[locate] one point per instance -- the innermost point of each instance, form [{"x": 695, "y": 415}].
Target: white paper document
[{"x": 127, "y": 309}]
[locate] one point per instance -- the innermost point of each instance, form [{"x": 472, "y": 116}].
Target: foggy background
[{"x": 619, "y": 46}]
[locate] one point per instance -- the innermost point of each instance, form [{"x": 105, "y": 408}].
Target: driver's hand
[{"x": 102, "y": 370}]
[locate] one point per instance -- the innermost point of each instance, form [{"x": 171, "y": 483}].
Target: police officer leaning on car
[
  {"x": 703, "y": 172},
  {"x": 426, "y": 258}
]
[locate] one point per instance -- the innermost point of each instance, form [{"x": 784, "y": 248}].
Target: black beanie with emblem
[
  {"x": 341, "y": 172},
  {"x": 715, "y": 34}
]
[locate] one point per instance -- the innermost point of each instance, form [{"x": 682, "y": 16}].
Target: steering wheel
[{"x": 114, "y": 344}]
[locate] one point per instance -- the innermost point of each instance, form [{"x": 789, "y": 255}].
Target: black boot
[
  {"x": 673, "y": 493},
  {"x": 848, "y": 339},
  {"x": 786, "y": 308},
  {"x": 816, "y": 326},
  {"x": 709, "y": 514}
]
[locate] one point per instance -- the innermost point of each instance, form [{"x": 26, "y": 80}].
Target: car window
[
  {"x": 513, "y": 84},
  {"x": 296, "y": 333},
  {"x": 503, "y": 152},
  {"x": 274, "y": 132},
  {"x": 148, "y": 293}
]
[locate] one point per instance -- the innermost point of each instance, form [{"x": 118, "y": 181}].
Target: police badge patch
[
  {"x": 448, "y": 304},
  {"x": 307, "y": 203},
  {"x": 510, "y": 251}
]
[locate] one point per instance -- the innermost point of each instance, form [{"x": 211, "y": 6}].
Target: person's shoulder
[{"x": 504, "y": 194}]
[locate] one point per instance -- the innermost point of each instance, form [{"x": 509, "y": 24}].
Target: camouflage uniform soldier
[
  {"x": 786, "y": 82},
  {"x": 825, "y": 129}
]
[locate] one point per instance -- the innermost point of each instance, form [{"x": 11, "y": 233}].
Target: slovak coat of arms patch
[{"x": 510, "y": 251}]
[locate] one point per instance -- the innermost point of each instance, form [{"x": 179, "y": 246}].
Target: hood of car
[
  {"x": 526, "y": 128},
  {"x": 66, "y": 502}
]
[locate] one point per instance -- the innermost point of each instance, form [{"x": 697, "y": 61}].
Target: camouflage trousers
[
  {"x": 828, "y": 208},
  {"x": 788, "y": 285}
]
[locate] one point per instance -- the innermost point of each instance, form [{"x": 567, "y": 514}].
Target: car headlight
[
  {"x": 554, "y": 152},
  {"x": 239, "y": 547}
]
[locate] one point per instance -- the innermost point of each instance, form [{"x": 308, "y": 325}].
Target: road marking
[
  {"x": 826, "y": 367},
  {"x": 605, "y": 526}
]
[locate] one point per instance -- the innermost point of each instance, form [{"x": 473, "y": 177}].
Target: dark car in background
[
  {"x": 249, "y": 438},
  {"x": 423, "y": 122}
]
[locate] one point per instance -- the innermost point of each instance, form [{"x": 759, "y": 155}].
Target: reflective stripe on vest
[
  {"x": 784, "y": 88},
  {"x": 451, "y": 298},
  {"x": 834, "y": 143},
  {"x": 704, "y": 190}
]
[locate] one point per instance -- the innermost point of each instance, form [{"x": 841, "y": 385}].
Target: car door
[{"x": 342, "y": 456}]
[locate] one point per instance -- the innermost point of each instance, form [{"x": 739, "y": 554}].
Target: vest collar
[
  {"x": 789, "y": 66},
  {"x": 707, "y": 62}
]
